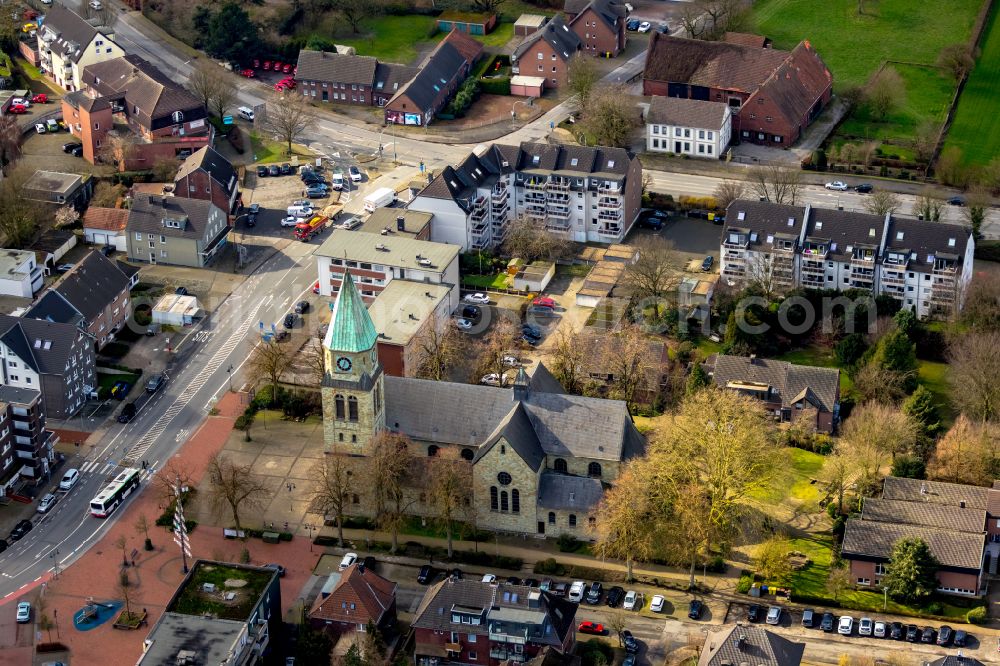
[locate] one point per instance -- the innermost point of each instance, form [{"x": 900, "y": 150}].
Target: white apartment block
[
  {"x": 583, "y": 194},
  {"x": 67, "y": 43},
  {"x": 688, "y": 127},
  {"x": 20, "y": 274},
  {"x": 925, "y": 265}
]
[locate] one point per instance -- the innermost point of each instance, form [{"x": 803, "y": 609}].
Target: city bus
[{"x": 115, "y": 493}]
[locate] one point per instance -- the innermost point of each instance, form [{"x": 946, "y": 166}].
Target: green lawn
[
  {"x": 498, "y": 281},
  {"x": 935, "y": 377},
  {"x": 266, "y": 151},
  {"x": 974, "y": 130},
  {"x": 398, "y": 38},
  {"x": 793, "y": 479}
]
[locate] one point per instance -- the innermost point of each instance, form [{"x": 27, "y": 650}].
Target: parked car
[
  {"x": 425, "y": 575},
  {"x": 46, "y": 503},
  {"x": 656, "y": 603},
  {"x": 3, "y": 545},
  {"x": 52, "y": 125},
  {"x": 77, "y": 151},
  {"x": 127, "y": 413},
  {"x": 773, "y": 615},
  {"x": 20, "y": 529},
  {"x": 754, "y": 612},
  {"x": 530, "y": 582},
  {"x": 477, "y": 298},
  {"x": 576, "y": 591},
  {"x": 837, "y": 185},
  {"x": 316, "y": 193},
  {"x": 491, "y": 379},
  {"x": 316, "y": 287},
  {"x": 544, "y": 302},
  {"x": 512, "y": 580},
  {"x": 17, "y": 108},
  {"x": 631, "y": 644},
  {"x": 471, "y": 312},
  {"x": 706, "y": 264},
  {"x": 846, "y": 625},
  {"x": 956, "y": 201},
  {"x": 23, "y": 612},
  {"x": 181, "y": 291},
  {"x": 286, "y": 169},
  {"x": 262, "y": 172},
  {"x": 531, "y": 331},
  {"x": 302, "y": 307},
  {"x": 928, "y": 635},
  {"x": 267, "y": 65},
  {"x": 865, "y": 626},
  {"x": 156, "y": 382},
  {"x": 274, "y": 170},
  {"x": 347, "y": 560},
  {"x": 290, "y": 221},
  {"x": 559, "y": 589},
  {"x": 594, "y": 593},
  {"x": 40, "y": 128},
  {"x": 23, "y": 101},
  {"x": 615, "y": 596},
  {"x": 68, "y": 147},
  {"x": 896, "y": 631},
  {"x": 463, "y": 324},
  {"x": 912, "y": 633},
  {"x": 370, "y": 563},
  {"x": 69, "y": 479},
  {"x": 511, "y": 361},
  {"x": 290, "y": 320},
  {"x": 588, "y": 627},
  {"x": 248, "y": 73},
  {"x": 633, "y": 600},
  {"x": 64, "y": 268},
  {"x": 629, "y": 660},
  {"x": 663, "y": 28},
  {"x": 960, "y": 638},
  {"x": 633, "y": 24},
  {"x": 354, "y": 173},
  {"x": 120, "y": 390},
  {"x": 695, "y": 607},
  {"x": 40, "y": 98},
  {"x": 945, "y": 635},
  {"x": 808, "y": 618},
  {"x": 645, "y": 26},
  {"x": 880, "y": 630},
  {"x": 826, "y": 624},
  {"x": 863, "y": 188}
]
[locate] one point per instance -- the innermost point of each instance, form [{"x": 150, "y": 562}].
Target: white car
[
  {"x": 355, "y": 174},
  {"x": 349, "y": 559},
  {"x": 865, "y": 627},
  {"x": 23, "y": 612},
  {"x": 40, "y": 128},
  {"x": 629, "y": 7},
  {"x": 46, "y": 503},
  {"x": 492, "y": 379},
  {"x": 477, "y": 298},
  {"x": 837, "y": 185},
  {"x": 773, "y": 615},
  {"x": 846, "y": 625},
  {"x": 656, "y": 603},
  {"x": 463, "y": 324},
  {"x": 337, "y": 181},
  {"x": 489, "y": 578},
  {"x": 576, "y": 591},
  {"x": 879, "y": 631},
  {"x": 95, "y": 4},
  {"x": 23, "y": 101},
  {"x": 633, "y": 600},
  {"x": 69, "y": 479},
  {"x": 511, "y": 361},
  {"x": 289, "y": 221},
  {"x": 645, "y": 26}
]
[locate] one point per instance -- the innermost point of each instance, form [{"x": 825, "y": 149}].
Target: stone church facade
[{"x": 540, "y": 459}]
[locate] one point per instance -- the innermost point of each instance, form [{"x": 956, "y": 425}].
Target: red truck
[{"x": 304, "y": 231}]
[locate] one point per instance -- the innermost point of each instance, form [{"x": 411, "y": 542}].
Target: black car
[
  {"x": 828, "y": 622},
  {"x": 896, "y": 631},
  {"x": 531, "y": 331},
  {"x": 663, "y": 28},
  {"x": 912, "y": 633},
  {"x": 633, "y": 24},
  {"x": 252, "y": 220},
  {"x": 273, "y": 170},
  {"x": 945, "y": 635},
  {"x": 956, "y": 201},
  {"x": 302, "y": 307},
  {"x": 426, "y": 574},
  {"x": 755, "y": 612},
  {"x": 615, "y": 596},
  {"x": 808, "y": 618},
  {"x": 530, "y": 582},
  {"x": 368, "y": 563},
  {"x": 863, "y": 188},
  {"x": 927, "y": 635},
  {"x": 3, "y": 545},
  {"x": 22, "y": 528},
  {"x": 262, "y": 172},
  {"x": 68, "y": 147},
  {"x": 181, "y": 291},
  {"x": 513, "y": 580},
  {"x": 594, "y": 593},
  {"x": 695, "y": 608},
  {"x": 959, "y": 640},
  {"x": 290, "y": 320},
  {"x": 456, "y": 574},
  {"x": 127, "y": 413},
  {"x": 287, "y": 169},
  {"x": 706, "y": 264},
  {"x": 471, "y": 312},
  {"x": 76, "y": 151},
  {"x": 631, "y": 644}
]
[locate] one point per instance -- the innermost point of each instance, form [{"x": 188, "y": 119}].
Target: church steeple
[{"x": 351, "y": 327}]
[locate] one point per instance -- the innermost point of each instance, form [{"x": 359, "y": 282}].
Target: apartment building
[
  {"x": 925, "y": 265},
  {"x": 26, "y": 446},
  {"x": 175, "y": 230},
  {"x": 581, "y": 193},
  {"x": 600, "y": 25},
  {"x": 67, "y": 43}
]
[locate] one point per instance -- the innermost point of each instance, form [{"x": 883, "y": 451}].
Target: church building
[{"x": 540, "y": 458}]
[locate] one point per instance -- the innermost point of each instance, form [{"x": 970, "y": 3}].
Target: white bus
[{"x": 115, "y": 493}]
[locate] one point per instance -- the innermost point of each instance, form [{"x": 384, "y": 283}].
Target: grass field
[
  {"x": 402, "y": 38},
  {"x": 793, "y": 480},
  {"x": 974, "y": 130}
]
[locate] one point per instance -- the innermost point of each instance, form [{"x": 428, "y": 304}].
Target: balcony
[
  {"x": 732, "y": 257},
  {"x": 894, "y": 278},
  {"x": 558, "y": 185},
  {"x": 505, "y": 655},
  {"x": 813, "y": 268},
  {"x": 558, "y": 210},
  {"x": 609, "y": 202},
  {"x": 556, "y": 224},
  {"x": 609, "y": 188},
  {"x": 814, "y": 251},
  {"x": 812, "y": 281},
  {"x": 735, "y": 271},
  {"x": 535, "y": 197},
  {"x": 609, "y": 215},
  {"x": 733, "y": 242},
  {"x": 535, "y": 185},
  {"x": 536, "y": 211},
  {"x": 499, "y": 211},
  {"x": 479, "y": 210},
  {"x": 499, "y": 196},
  {"x": 610, "y": 230}
]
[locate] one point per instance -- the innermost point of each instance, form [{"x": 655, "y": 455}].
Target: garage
[{"x": 527, "y": 86}]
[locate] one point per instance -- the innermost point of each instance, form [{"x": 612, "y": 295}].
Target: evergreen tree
[
  {"x": 232, "y": 36},
  {"x": 896, "y": 353},
  {"x": 922, "y": 408},
  {"x": 850, "y": 349},
  {"x": 698, "y": 379},
  {"x": 906, "y": 321},
  {"x": 911, "y": 575}
]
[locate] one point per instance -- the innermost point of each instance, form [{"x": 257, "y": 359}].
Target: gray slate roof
[
  {"x": 90, "y": 285},
  {"x": 763, "y": 220},
  {"x": 336, "y": 67},
  {"x": 557, "y": 34},
  {"x": 144, "y": 87},
  {"x": 961, "y": 550},
  {"x": 21, "y": 335},
  {"x": 516, "y": 429},
  {"x": 565, "y": 492},
  {"x": 73, "y": 33},
  {"x": 434, "y": 611},
  {"x": 846, "y": 229},
  {"x": 954, "y": 660},
  {"x": 18, "y": 395},
  {"x": 924, "y": 513},
  {"x": 149, "y": 210},
  {"x": 927, "y": 240},
  {"x": 390, "y": 77},
  {"x": 52, "y": 306},
  {"x": 609, "y": 11},
  {"x": 542, "y": 380},
  {"x": 214, "y": 164},
  {"x": 686, "y": 112},
  {"x": 935, "y": 492},
  {"x": 441, "y": 66},
  {"x": 750, "y": 645},
  {"x": 787, "y": 379}
]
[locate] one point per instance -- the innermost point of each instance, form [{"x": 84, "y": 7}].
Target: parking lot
[{"x": 44, "y": 151}]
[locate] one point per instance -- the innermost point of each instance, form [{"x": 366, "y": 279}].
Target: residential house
[
  {"x": 349, "y": 78},
  {"x": 360, "y": 597},
  {"x": 175, "y": 230},
  {"x": 237, "y": 631},
  {"x": 747, "y": 644},
  {"x": 538, "y": 459},
  {"x": 652, "y": 365},
  {"x": 802, "y": 394},
  {"x": 600, "y": 25},
  {"x": 26, "y": 446},
  {"x": 398, "y": 221},
  {"x": 475, "y": 623},
  {"x": 208, "y": 175},
  {"x": 546, "y": 53},
  {"x": 67, "y": 43},
  {"x": 20, "y": 274},
  {"x": 691, "y": 127},
  {"x": 93, "y": 295},
  {"x": 773, "y": 94},
  {"x": 375, "y": 260},
  {"x": 580, "y": 193},
  {"x": 59, "y": 189},
  {"x": 130, "y": 95},
  {"x": 780, "y": 247},
  {"x": 404, "y": 314},
  {"x": 105, "y": 226},
  {"x": 418, "y": 100},
  {"x": 54, "y": 358},
  {"x": 959, "y": 523}
]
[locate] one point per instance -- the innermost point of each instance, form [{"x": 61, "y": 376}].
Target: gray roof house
[
  {"x": 564, "y": 42},
  {"x": 67, "y": 43},
  {"x": 747, "y": 644},
  {"x": 342, "y": 77},
  {"x": 175, "y": 230},
  {"x": 62, "y": 189}
]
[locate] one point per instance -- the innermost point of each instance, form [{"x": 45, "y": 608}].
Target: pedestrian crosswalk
[{"x": 107, "y": 468}]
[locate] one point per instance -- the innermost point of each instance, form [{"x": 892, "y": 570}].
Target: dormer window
[
  {"x": 611, "y": 164},
  {"x": 177, "y": 117},
  {"x": 819, "y": 225},
  {"x": 951, "y": 242},
  {"x": 899, "y": 235},
  {"x": 535, "y": 159},
  {"x": 574, "y": 162}
]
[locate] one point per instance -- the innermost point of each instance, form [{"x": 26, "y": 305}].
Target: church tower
[{"x": 353, "y": 386}]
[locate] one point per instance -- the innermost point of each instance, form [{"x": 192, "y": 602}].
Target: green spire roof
[{"x": 351, "y": 327}]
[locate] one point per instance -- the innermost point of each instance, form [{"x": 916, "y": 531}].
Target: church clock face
[{"x": 344, "y": 364}]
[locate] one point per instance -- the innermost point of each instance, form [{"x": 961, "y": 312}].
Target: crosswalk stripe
[{"x": 86, "y": 467}]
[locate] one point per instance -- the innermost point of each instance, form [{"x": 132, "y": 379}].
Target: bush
[
  {"x": 549, "y": 567},
  {"x": 977, "y": 615},
  {"x": 235, "y": 137},
  {"x": 717, "y": 564},
  {"x": 568, "y": 543},
  {"x": 933, "y": 608},
  {"x": 988, "y": 250},
  {"x": 596, "y": 651},
  {"x": 689, "y": 202},
  {"x": 497, "y": 85},
  {"x": 284, "y": 536},
  {"x": 745, "y": 583}
]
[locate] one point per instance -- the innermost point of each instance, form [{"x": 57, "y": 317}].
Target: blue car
[{"x": 633, "y": 24}]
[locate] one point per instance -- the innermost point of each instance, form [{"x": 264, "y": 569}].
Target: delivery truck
[
  {"x": 383, "y": 196},
  {"x": 306, "y": 230}
]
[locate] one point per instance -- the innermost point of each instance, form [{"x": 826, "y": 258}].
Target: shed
[
  {"x": 176, "y": 310},
  {"x": 535, "y": 276},
  {"x": 623, "y": 253},
  {"x": 599, "y": 283},
  {"x": 527, "y": 86},
  {"x": 62, "y": 189},
  {"x": 529, "y": 23},
  {"x": 471, "y": 23},
  {"x": 51, "y": 247}
]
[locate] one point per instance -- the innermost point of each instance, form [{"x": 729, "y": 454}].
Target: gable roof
[
  {"x": 872, "y": 539},
  {"x": 686, "y": 112},
  {"x": 544, "y": 381},
  {"x": 337, "y": 67},
  {"x": 927, "y": 241},
  {"x": 556, "y": 33},
  {"x": 105, "y": 219},
  {"x": 149, "y": 210},
  {"x": 389, "y": 77},
  {"x": 609, "y": 11},
  {"x": 360, "y": 596},
  {"x": 71, "y": 33},
  {"x": 351, "y": 327},
  {"x": 434, "y": 610},
  {"x": 747, "y": 644},
  {"x": 935, "y": 492},
  {"x": 444, "y": 64},
  {"x": 469, "y": 48},
  {"x": 45, "y": 346},
  {"x": 710, "y": 64},
  {"x": 796, "y": 84},
  {"x": 214, "y": 164},
  {"x": 924, "y": 513},
  {"x": 516, "y": 429},
  {"x": 148, "y": 92},
  {"x": 746, "y": 39},
  {"x": 51, "y": 306},
  {"x": 788, "y": 380},
  {"x": 91, "y": 285}
]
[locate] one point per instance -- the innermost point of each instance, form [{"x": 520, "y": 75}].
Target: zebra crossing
[{"x": 107, "y": 468}]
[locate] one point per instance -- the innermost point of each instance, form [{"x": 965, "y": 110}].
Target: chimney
[
  {"x": 753, "y": 359},
  {"x": 400, "y": 223},
  {"x": 962, "y": 504}
]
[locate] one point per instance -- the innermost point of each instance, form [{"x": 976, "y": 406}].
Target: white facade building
[
  {"x": 20, "y": 275},
  {"x": 925, "y": 265},
  {"x": 67, "y": 43},
  {"x": 688, "y": 127}
]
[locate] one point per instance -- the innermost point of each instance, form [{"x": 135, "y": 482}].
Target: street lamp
[
  {"x": 309, "y": 527},
  {"x": 229, "y": 371},
  {"x": 54, "y": 556}
]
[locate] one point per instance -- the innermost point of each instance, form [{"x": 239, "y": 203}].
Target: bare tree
[
  {"x": 775, "y": 183},
  {"x": 10, "y": 140},
  {"x": 925, "y": 140},
  {"x": 761, "y": 276},
  {"x": 204, "y": 81},
  {"x": 886, "y": 92},
  {"x": 391, "y": 468},
  {"x": 654, "y": 274},
  {"x": 356, "y": 11},
  {"x": 122, "y": 542},
  {"x": 771, "y": 559},
  {"x": 118, "y": 148},
  {"x": 19, "y": 217},
  {"x": 838, "y": 580},
  {"x": 974, "y": 369},
  {"x": 711, "y": 19},
  {"x": 528, "y": 239},
  {"x": 268, "y": 361},
  {"x": 174, "y": 472},
  {"x": 928, "y": 206},
  {"x": 625, "y": 357},
  {"x": 106, "y": 15},
  {"x": 611, "y": 117},
  {"x": 313, "y": 360},
  {"x": 956, "y": 59},
  {"x": 235, "y": 487},
  {"x": 729, "y": 191},
  {"x": 107, "y": 195},
  {"x": 124, "y": 585},
  {"x": 582, "y": 77},
  {"x": 568, "y": 355},
  {"x": 494, "y": 347},
  {"x": 876, "y": 383},
  {"x": 881, "y": 202},
  {"x": 873, "y": 436},
  {"x": 333, "y": 479},
  {"x": 440, "y": 348},
  {"x": 688, "y": 519},
  {"x": 142, "y": 527},
  {"x": 289, "y": 118},
  {"x": 224, "y": 95},
  {"x": 450, "y": 492},
  {"x": 969, "y": 453},
  {"x": 624, "y": 528},
  {"x": 487, "y": 6}
]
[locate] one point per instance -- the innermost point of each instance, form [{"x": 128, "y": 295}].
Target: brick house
[
  {"x": 773, "y": 94},
  {"x": 960, "y": 524},
  {"x": 791, "y": 393},
  {"x": 743, "y": 644},
  {"x": 481, "y": 624},
  {"x": 208, "y": 175},
  {"x": 419, "y": 99},
  {"x": 546, "y": 53},
  {"x": 349, "y": 79},
  {"x": 26, "y": 446},
  {"x": 360, "y": 597},
  {"x": 600, "y": 25},
  {"x": 67, "y": 43}
]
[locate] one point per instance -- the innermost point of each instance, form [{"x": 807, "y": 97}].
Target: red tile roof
[
  {"x": 465, "y": 45},
  {"x": 359, "y": 597},
  {"x": 105, "y": 219}
]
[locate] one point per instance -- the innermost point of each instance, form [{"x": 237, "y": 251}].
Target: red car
[
  {"x": 267, "y": 65},
  {"x": 279, "y": 87},
  {"x": 247, "y": 73},
  {"x": 18, "y": 108},
  {"x": 288, "y": 82},
  {"x": 316, "y": 287},
  {"x": 588, "y": 627},
  {"x": 40, "y": 98},
  {"x": 295, "y": 70},
  {"x": 544, "y": 302},
  {"x": 287, "y": 68}
]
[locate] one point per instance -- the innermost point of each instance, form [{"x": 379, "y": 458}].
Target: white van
[
  {"x": 245, "y": 112},
  {"x": 576, "y": 591},
  {"x": 300, "y": 211},
  {"x": 383, "y": 196}
]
